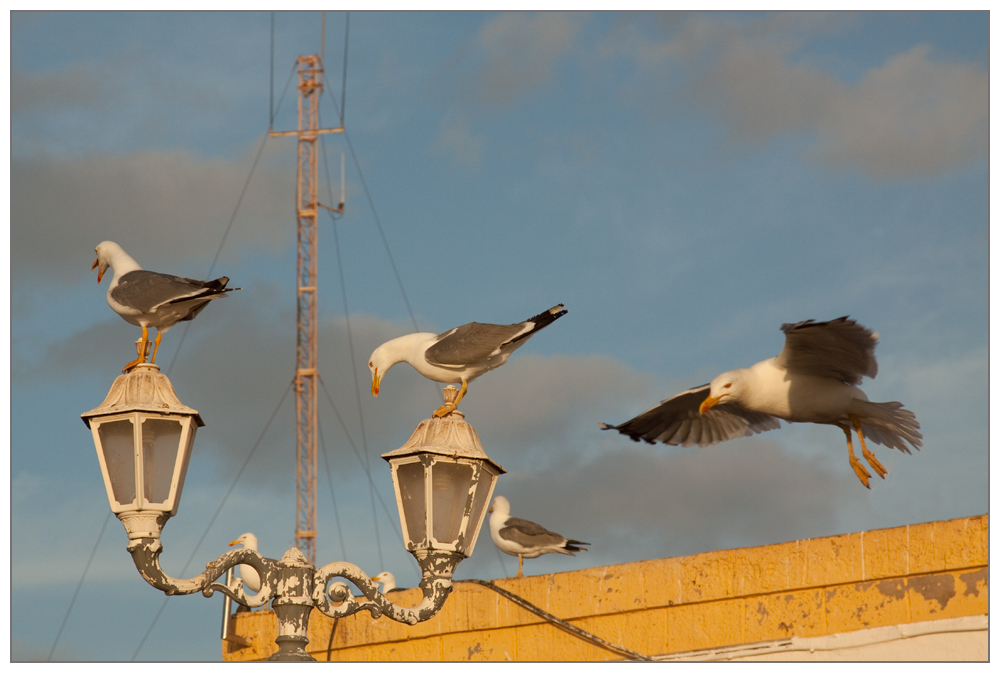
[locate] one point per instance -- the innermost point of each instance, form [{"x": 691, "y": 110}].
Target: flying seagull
[
  {"x": 814, "y": 379},
  {"x": 459, "y": 355},
  {"x": 151, "y": 299},
  {"x": 525, "y": 539},
  {"x": 249, "y": 574}
]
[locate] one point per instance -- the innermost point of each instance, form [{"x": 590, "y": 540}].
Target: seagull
[
  {"x": 814, "y": 379},
  {"x": 249, "y": 574},
  {"x": 459, "y": 355},
  {"x": 151, "y": 299},
  {"x": 387, "y": 580},
  {"x": 525, "y": 539}
]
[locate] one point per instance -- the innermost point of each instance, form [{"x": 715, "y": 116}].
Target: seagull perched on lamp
[
  {"x": 459, "y": 355},
  {"x": 150, "y": 299}
]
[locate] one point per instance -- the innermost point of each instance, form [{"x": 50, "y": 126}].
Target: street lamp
[{"x": 442, "y": 477}]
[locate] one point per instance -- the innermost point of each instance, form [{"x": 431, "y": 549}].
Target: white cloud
[
  {"x": 638, "y": 501},
  {"x": 913, "y": 115},
  {"x": 455, "y": 136},
  {"x": 521, "y": 51},
  {"x": 160, "y": 206}
]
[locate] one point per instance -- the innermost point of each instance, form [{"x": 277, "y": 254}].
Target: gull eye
[
  {"x": 370, "y": 364},
  {"x": 728, "y": 385}
]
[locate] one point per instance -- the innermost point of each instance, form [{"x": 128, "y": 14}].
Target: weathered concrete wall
[{"x": 725, "y": 599}]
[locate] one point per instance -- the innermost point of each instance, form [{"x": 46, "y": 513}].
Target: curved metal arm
[
  {"x": 435, "y": 590},
  {"x": 146, "y": 555}
]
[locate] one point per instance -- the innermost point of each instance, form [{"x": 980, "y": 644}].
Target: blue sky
[{"x": 684, "y": 183}]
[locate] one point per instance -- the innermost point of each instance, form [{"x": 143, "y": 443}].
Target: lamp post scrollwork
[{"x": 442, "y": 477}]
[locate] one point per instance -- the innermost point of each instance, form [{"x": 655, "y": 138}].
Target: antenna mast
[{"x": 310, "y": 69}]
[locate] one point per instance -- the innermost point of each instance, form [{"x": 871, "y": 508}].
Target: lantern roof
[
  {"x": 449, "y": 436},
  {"x": 142, "y": 389}
]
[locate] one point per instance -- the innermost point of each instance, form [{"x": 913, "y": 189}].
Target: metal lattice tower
[{"x": 310, "y": 69}]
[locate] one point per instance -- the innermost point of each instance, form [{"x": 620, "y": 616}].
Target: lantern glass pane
[
  {"x": 487, "y": 476},
  {"x": 451, "y": 484},
  {"x": 161, "y": 439},
  {"x": 117, "y": 439},
  {"x": 410, "y": 477}
]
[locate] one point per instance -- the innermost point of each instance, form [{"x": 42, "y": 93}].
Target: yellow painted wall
[{"x": 807, "y": 588}]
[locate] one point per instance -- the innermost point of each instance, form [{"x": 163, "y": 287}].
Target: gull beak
[
  {"x": 709, "y": 403},
  {"x": 375, "y": 382},
  {"x": 374, "y": 579},
  {"x": 490, "y": 510},
  {"x": 100, "y": 270},
  {"x": 234, "y": 542}
]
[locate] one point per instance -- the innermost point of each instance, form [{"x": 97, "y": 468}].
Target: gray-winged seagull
[
  {"x": 251, "y": 578},
  {"x": 814, "y": 379},
  {"x": 387, "y": 580},
  {"x": 151, "y": 299},
  {"x": 459, "y": 355},
  {"x": 525, "y": 539}
]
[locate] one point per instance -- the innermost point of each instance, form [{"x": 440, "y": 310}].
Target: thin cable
[
  {"x": 371, "y": 481},
  {"x": 333, "y": 497},
  {"x": 329, "y": 645},
  {"x": 246, "y": 462},
  {"x": 350, "y": 348},
  {"x": 357, "y": 392},
  {"x": 343, "y": 79},
  {"x": 270, "y": 125},
  {"x": 378, "y": 223},
  {"x": 561, "y": 623},
  {"x": 76, "y": 593},
  {"x": 225, "y": 235},
  {"x": 232, "y": 219}
]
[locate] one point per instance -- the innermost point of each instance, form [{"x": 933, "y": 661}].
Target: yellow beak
[
  {"x": 100, "y": 272},
  {"x": 709, "y": 403},
  {"x": 375, "y": 382},
  {"x": 234, "y": 542}
]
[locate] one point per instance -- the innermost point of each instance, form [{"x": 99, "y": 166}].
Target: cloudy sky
[{"x": 684, "y": 183}]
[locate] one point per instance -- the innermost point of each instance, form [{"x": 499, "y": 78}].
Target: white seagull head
[
  {"x": 110, "y": 254},
  {"x": 387, "y": 579},
  {"x": 726, "y": 387},
  {"x": 248, "y": 540}
]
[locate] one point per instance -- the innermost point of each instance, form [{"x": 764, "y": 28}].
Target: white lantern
[
  {"x": 143, "y": 436},
  {"x": 443, "y": 481}
]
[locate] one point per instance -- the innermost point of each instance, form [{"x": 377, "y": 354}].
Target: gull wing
[
  {"x": 471, "y": 343},
  {"x": 529, "y": 534},
  {"x": 147, "y": 291},
  {"x": 677, "y": 421},
  {"x": 839, "y": 349}
]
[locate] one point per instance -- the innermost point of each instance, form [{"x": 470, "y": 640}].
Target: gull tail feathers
[
  {"x": 889, "y": 424},
  {"x": 542, "y": 320}
]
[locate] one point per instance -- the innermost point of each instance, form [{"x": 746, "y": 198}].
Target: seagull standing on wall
[
  {"x": 814, "y": 379},
  {"x": 459, "y": 355},
  {"x": 151, "y": 299},
  {"x": 525, "y": 539}
]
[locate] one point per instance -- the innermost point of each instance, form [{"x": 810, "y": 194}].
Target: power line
[
  {"x": 211, "y": 521},
  {"x": 76, "y": 593}
]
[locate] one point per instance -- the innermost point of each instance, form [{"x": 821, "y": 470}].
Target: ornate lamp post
[{"x": 443, "y": 481}]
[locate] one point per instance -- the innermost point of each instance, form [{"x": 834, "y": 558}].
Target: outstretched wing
[
  {"x": 839, "y": 349},
  {"x": 677, "y": 421}
]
